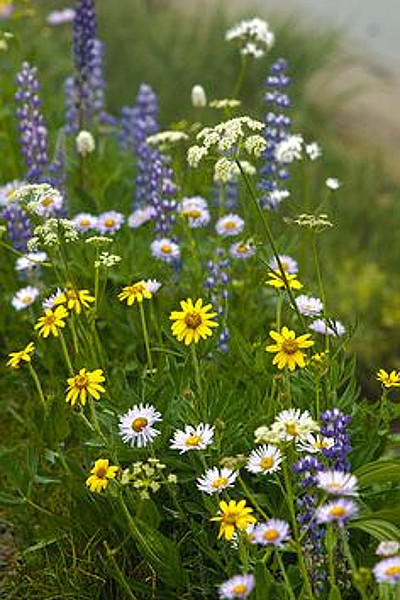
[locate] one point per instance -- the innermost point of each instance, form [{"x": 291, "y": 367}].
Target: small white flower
[
  {"x": 229, "y": 225},
  {"x": 85, "y": 221},
  {"x": 288, "y": 263},
  {"x": 314, "y": 443},
  {"x": 338, "y": 511},
  {"x": 136, "y": 426},
  {"x": 85, "y": 143},
  {"x": 333, "y": 328},
  {"x": 273, "y": 199},
  {"x": 309, "y": 306},
  {"x": 107, "y": 260},
  {"x": 110, "y": 221},
  {"x": 32, "y": 260},
  {"x": 165, "y": 249},
  {"x": 266, "y": 459},
  {"x": 388, "y": 570},
  {"x": 195, "y": 210},
  {"x": 293, "y": 424},
  {"x": 242, "y": 250},
  {"x": 256, "y": 145},
  {"x": 214, "y": 480},
  {"x": 266, "y": 435},
  {"x": 7, "y": 191},
  {"x": 24, "y": 297},
  {"x": 313, "y": 150},
  {"x": 152, "y": 285},
  {"x": 192, "y": 438},
  {"x": 50, "y": 301},
  {"x": 59, "y": 17},
  {"x": 140, "y": 216},
  {"x": 225, "y": 170},
  {"x": 198, "y": 96},
  {"x": 332, "y": 183},
  {"x": 253, "y": 35},
  {"x": 195, "y": 154},
  {"x": 388, "y": 548},
  {"x": 48, "y": 203},
  {"x": 289, "y": 149},
  {"x": 273, "y": 532},
  {"x": 337, "y": 483},
  {"x": 239, "y": 586}
]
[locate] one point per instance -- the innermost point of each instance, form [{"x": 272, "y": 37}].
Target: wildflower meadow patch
[{"x": 183, "y": 418}]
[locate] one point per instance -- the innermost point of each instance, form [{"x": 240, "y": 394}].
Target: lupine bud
[{"x": 199, "y": 98}]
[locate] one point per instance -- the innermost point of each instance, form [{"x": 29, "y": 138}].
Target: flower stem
[
  {"x": 252, "y": 499},
  {"x": 146, "y": 338},
  {"x": 285, "y": 576},
  {"x": 197, "y": 374},
  {"x": 118, "y": 573},
  {"x": 38, "y": 385},
  {"x": 330, "y": 544},
  {"x": 66, "y": 355}
]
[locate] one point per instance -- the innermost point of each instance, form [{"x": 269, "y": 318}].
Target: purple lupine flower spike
[
  {"x": 217, "y": 282},
  {"x": 19, "y": 228},
  {"x": 33, "y": 131},
  {"x": 334, "y": 426}
]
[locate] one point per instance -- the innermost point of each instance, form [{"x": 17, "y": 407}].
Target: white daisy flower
[
  {"x": 229, "y": 225},
  {"x": 309, "y": 306},
  {"x": 195, "y": 209},
  {"x": 50, "y": 301},
  {"x": 333, "y": 328},
  {"x": 24, "y": 297},
  {"x": 273, "y": 532},
  {"x": 31, "y": 260},
  {"x": 192, "y": 438},
  {"x": 214, "y": 480},
  {"x": 266, "y": 459},
  {"x": 288, "y": 263},
  {"x": 314, "y": 443},
  {"x": 338, "y": 483},
  {"x": 289, "y": 149},
  {"x": 85, "y": 221},
  {"x": 313, "y": 150},
  {"x": 242, "y": 250},
  {"x": 338, "y": 511},
  {"x": 388, "y": 548},
  {"x": 239, "y": 586},
  {"x": 7, "y": 191},
  {"x": 48, "y": 203},
  {"x": 332, "y": 183},
  {"x": 293, "y": 424},
  {"x": 165, "y": 249},
  {"x": 140, "y": 216},
  {"x": 136, "y": 426},
  {"x": 110, "y": 222},
  {"x": 152, "y": 285},
  {"x": 388, "y": 570}
]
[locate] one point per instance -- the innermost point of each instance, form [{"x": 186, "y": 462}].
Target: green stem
[
  {"x": 96, "y": 424},
  {"x": 119, "y": 574},
  {"x": 252, "y": 499},
  {"x": 146, "y": 338},
  {"x": 239, "y": 81},
  {"x": 330, "y": 545},
  {"x": 285, "y": 576},
  {"x": 197, "y": 374},
  {"x": 38, "y": 385},
  {"x": 66, "y": 355}
]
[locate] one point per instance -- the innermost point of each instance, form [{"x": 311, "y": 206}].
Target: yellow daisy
[
  {"x": 102, "y": 472},
  {"x": 388, "y": 380},
  {"x": 84, "y": 384},
  {"x": 16, "y": 358},
  {"x": 51, "y": 321},
  {"x": 193, "y": 321},
  {"x": 137, "y": 291},
  {"x": 289, "y": 348},
  {"x": 276, "y": 280},
  {"x": 75, "y": 299},
  {"x": 235, "y": 515}
]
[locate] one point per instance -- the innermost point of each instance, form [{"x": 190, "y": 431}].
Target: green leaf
[
  {"x": 334, "y": 593},
  {"x": 379, "y": 471},
  {"x": 380, "y": 529}
]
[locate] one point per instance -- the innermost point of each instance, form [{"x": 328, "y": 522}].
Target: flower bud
[
  {"x": 199, "y": 98},
  {"x": 85, "y": 143}
]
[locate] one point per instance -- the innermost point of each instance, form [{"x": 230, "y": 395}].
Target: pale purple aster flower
[
  {"x": 229, "y": 225},
  {"x": 50, "y": 301},
  {"x": 6, "y": 10},
  {"x": 388, "y": 570},
  {"x": 389, "y": 548},
  {"x": 338, "y": 511},
  {"x": 239, "y": 586},
  {"x": 309, "y": 306},
  {"x": 59, "y": 17},
  {"x": 153, "y": 285},
  {"x": 49, "y": 203},
  {"x": 288, "y": 263},
  {"x": 338, "y": 483},
  {"x": 24, "y": 297},
  {"x": 165, "y": 249},
  {"x": 274, "y": 532},
  {"x": 140, "y": 216},
  {"x": 242, "y": 250},
  {"x": 85, "y": 222},
  {"x": 330, "y": 327},
  {"x": 215, "y": 480},
  {"x": 195, "y": 209},
  {"x": 7, "y": 191},
  {"x": 29, "y": 261},
  {"x": 110, "y": 221}
]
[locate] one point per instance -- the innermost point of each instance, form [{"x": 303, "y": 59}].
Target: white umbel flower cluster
[
  {"x": 254, "y": 37},
  {"x": 167, "y": 139},
  {"x": 289, "y": 149},
  {"x": 41, "y": 199}
]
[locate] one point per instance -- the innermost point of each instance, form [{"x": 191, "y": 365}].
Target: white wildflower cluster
[
  {"x": 332, "y": 183},
  {"x": 99, "y": 240},
  {"x": 225, "y": 103},
  {"x": 165, "y": 139},
  {"x": 317, "y": 222},
  {"x": 52, "y": 232},
  {"x": 289, "y": 149},
  {"x": 107, "y": 260},
  {"x": 289, "y": 425},
  {"x": 41, "y": 199},
  {"x": 254, "y": 37},
  {"x": 313, "y": 150}
]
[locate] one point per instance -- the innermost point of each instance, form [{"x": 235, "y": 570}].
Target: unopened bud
[
  {"x": 85, "y": 143},
  {"x": 199, "y": 98}
]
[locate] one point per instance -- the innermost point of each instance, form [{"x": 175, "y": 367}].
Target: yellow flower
[
  {"x": 51, "y": 321},
  {"x": 102, "y": 472},
  {"x": 288, "y": 348},
  {"x": 74, "y": 299},
  {"x": 83, "y": 384},
  {"x": 235, "y": 515},
  {"x": 193, "y": 322},
  {"x": 388, "y": 380},
  {"x": 277, "y": 280},
  {"x": 22, "y": 355},
  {"x": 137, "y": 291}
]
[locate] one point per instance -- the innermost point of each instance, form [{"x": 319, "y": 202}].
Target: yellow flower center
[
  {"x": 81, "y": 381},
  {"x": 193, "y": 320},
  {"x": 229, "y": 518},
  {"x": 26, "y": 299},
  {"x": 267, "y": 462},
  {"x": 48, "y": 201},
  {"x": 242, "y": 248},
  {"x": 271, "y": 535},
  {"x": 334, "y": 486},
  {"x": 166, "y": 248},
  {"x": 109, "y": 222},
  {"x": 85, "y": 222},
  {"x": 193, "y": 440},
  {"x": 239, "y": 589},
  {"x": 291, "y": 428},
  {"x": 71, "y": 295},
  {"x": 338, "y": 511},
  {"x": 193, "y": 213},
  {"x": 49, "y": 320},
  {"x": 393, "y": 571},
  {"x": 290, "y": 346},
  {"x": 139, "y": 424},
  {"x": 320, "y": 444},
  {"x": 230, "y": 225},
  {"x": 219, "y": 482},
  {"x": 101, "y": 472}
]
